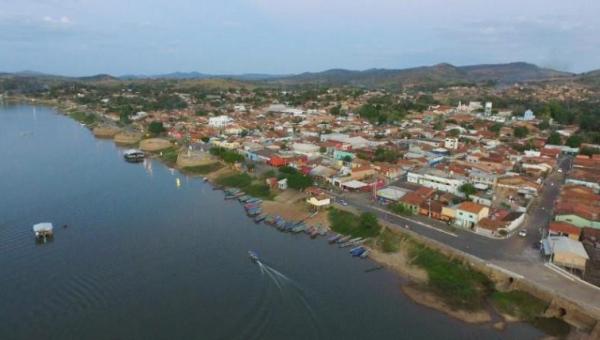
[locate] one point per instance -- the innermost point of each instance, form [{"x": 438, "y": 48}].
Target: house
[
  {"x": 577, "y": 214},
  {"x": 282, "y": 184},
  {"x": 412, "y": 202},
  {"x": 219, "y": 121},
  {"x": 391, "y": 194},
  {"x": 278, "y": 161},
  {"x": 317, "y": 198},
  {"x": 451, "y": 143},
  {"x": 590, "y": 179},
  {"x": 437, "y": 179},
  {"x": 433, "y": 209},
  {"x": 564, "y": 229},
  {"x": 468, "y": 214},
  {"x": 568, "y": 253}
]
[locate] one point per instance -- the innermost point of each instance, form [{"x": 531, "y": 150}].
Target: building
[
  {"x": 528, "y": 115},
  {"x": 568, "y": 253},
  {"x": 564, "y": 229},
  {"x": 451, "y": 143},
  {"x": 219, "y": 121},
  {"x": 437, "y": 179},
  {"x": 468, "y": 214}
]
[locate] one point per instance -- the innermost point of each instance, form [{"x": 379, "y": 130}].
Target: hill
[{"x": 437, "y": 75}]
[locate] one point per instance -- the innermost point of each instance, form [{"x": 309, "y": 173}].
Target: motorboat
[{"x": 134, "y": 155}]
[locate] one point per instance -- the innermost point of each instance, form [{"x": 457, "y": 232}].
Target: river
[{"x": 143, "y": 258}]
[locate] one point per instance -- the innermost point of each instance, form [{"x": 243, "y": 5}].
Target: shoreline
[{"x": 402, "y": 268}]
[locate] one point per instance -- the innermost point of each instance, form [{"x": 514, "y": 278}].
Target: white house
[
  {"x": 438, "y": 180},
  {"x": 219, "y": 121},
  {"x": 451, "y": 143}
]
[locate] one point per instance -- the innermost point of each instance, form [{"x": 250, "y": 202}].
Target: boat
[
  {"x": 308, "y": 230},
  {"x": 260, "y": 218},
  {"x": 334, "y": 238},
  {"x": 314, "y": 233},
  {"x": 344, "y": 239},
  {"x": 217, "y": 187},
  {"x": 43, "y": 231},
  {"x": 232, "y": 191},
  {"x": 205, "y": 179},
  {"x": 299, "y": 227},
  {"x": 364, "y": 254},
  {"x": 254, "y": 212},
  {"x": 355, "y": 248},
  {"x": 243, "y": 198},
  {"x": 351, "y": 242},
  {"x": 322, "y": 230},
  {"x": 270, "y": 220},
  {"x": 253, "y": 256},
  {"x": 134, "y": 155},
  {"x": 254, "y": 200},
  {"x": 251, "y": 205},
  {"x": 358, "y": 252}
]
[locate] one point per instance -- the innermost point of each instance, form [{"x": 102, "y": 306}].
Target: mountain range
[{"x": 436, "y": 75}]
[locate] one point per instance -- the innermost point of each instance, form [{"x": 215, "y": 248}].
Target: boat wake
[{"x": 291, "y": 293}]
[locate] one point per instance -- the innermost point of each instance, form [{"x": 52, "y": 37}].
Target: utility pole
[{"x": 429, "y": 203}]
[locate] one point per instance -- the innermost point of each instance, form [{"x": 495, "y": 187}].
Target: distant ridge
[{"x": 443, "y": 74}]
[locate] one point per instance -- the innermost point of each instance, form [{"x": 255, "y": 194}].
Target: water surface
[{"x": 144, "y": 259}]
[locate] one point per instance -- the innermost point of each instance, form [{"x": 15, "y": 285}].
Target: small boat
[
  {"x": 322, "y": 230},
  {"x": 232, "y": 191},
  {"x": 217, "y": 187},
  {"x": 205, "y": 179},
  {"x": 334, "y": 238},
  {"x": 309, "y": 230},
  {"x": 314, "y": 233},
  {"x": 254, "y": 212},
  {"x": 134, "y": 155},
  {"x": 260, "y": 218},
  {"x": 364, "y": 254},
  {"x": 253, "y": 255},
  {"x": 230, "y": 197},
  {"x": 243, "y": 198},
  {"x": 270, "y": 220},
  {"x": 254, "y": 200},
  {"x": 344, "y": 239},
  {"x": 299, "y": 227},
  {"x": 351, "y": 242},
  {"x": 251, "y": 205},
  {"x": 358, "y": 252},
  {"x": 355, "y": 249},
  {"x": 43, "y": 231}
]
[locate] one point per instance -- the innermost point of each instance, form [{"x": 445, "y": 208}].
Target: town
[{"x": 506, "y": 174}]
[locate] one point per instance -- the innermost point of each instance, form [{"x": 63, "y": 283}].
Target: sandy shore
[
  {"x": 190, "y": 159},
  {"x": 105, "y": 131},
  {"x": 291, "y": 206},
  {"x": 430, "y": 300},
  {"x": 128, "y": 138},
  {"x": 155, "y": 144}
]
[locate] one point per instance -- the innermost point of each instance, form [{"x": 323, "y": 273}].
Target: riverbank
[{"x": 389, "y": 243}]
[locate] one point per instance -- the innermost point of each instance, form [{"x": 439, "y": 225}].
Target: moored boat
[
  {"x": 364, "y": 254},
  {"x": 134, "y": 155},
  {"x": 358, "y": 252},
  {"x": 260, "y": 218},
  {"x": 344, "y": 239},
  {"x": 314, "y": 233},
  {"x": 334, "y": 238},
  {"x": 43, "y": 231}
]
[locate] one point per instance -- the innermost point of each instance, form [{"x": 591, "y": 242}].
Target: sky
[{"x": 118, "y": 37}]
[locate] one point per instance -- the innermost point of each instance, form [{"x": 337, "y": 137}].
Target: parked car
[
  {"x": 522, "y": 232},
  {"x": 344, "y": 203}
]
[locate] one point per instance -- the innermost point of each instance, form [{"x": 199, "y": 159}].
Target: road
[{"x": 515, "y": 254}]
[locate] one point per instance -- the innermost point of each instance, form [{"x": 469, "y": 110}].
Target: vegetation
[
  {"x": 84, "y": 118},
  {"x": 389, "y": 241},
  {"x": 519, "y": 304},
  {"x": 554, "y": 138},
  {"x": 574, "y": 141},
  {"x": 347, "y": 223},
  {"x": 226, "y": 155},
  {"x": 169, "y": 156},
  {"x": 400, "y": 209},
  {"x": 520, "y": 131},
  {"x": 203, "y": 169},
  {"x": 249, "y": 185},
  {"x": 295, "y": 179},
  {"x": 156, "y": 128},
  {"x": 386, "y": 155},
  {"x": 468, "y": 189},
  {"x": 458, "y": 284}
]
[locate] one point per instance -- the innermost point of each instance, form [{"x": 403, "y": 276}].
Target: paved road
[{"x": 515, "y": 254}]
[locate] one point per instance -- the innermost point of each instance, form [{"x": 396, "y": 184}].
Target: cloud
[{"x": 63, "y": 20}]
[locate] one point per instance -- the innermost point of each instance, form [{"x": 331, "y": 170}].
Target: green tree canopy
[
  {"x": 520, "y": 131},
  {"x": 156, "y": 128},
  {"x": 554, "y": 138}
]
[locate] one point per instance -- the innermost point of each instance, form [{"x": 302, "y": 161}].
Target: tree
[
  {"x": 369, "y": 221},
  {"x": 156, "y": 128},
  {"x": 201, "y": 113},
  {"x": 322, "y": 149},
  {"x": 496, "y": 127},
  {"x": 574, "y": 141},
  {"x": 336, "y": 110},
  {"x": 554, "y": 139},
  {"x": 347, "y": 158},
  {"x": 454, "y": 133},
  {"x": 520, "y": 131},
  {"x": 544, "y": 125},
  {"x": 468, "y": 189}
]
